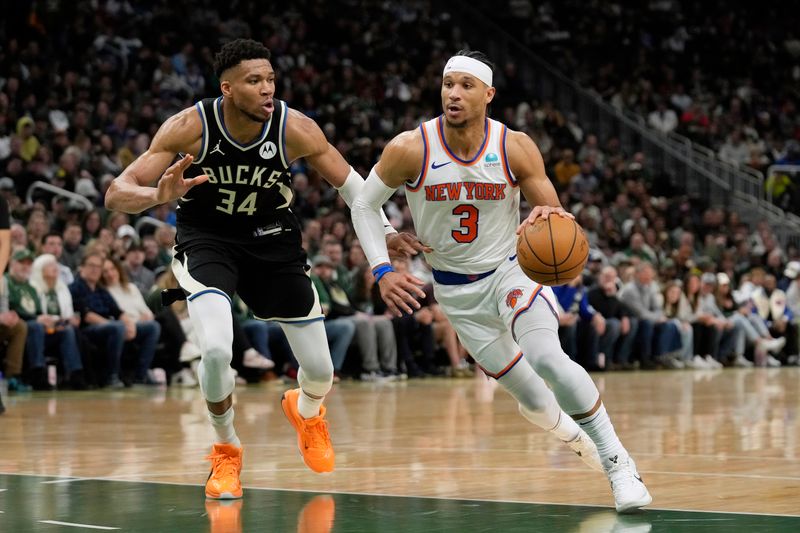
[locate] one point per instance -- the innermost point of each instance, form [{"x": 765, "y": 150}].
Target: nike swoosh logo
[
  {"x": 434, "y": 166},
  {"x": 639, "y": 478}
]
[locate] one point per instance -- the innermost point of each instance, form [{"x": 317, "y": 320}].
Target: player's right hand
[
  {"x": 173, "y": 185},
  {"x": 398, "y": 290}
]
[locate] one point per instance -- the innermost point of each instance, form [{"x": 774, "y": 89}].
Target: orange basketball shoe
[
  {"x": 312, "y": 434},
  {"x": 317, "y": 516},
  {"x": 225, "y": 516},
  {"x": 226, "y": 465}
]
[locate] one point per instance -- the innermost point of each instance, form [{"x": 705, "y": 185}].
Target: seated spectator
[
  {"x": 101, "y": 317},
  {"x": 680, "y": 312},
  {"x": 136, "y": 315},
  {"x": 53, "y": 244},
  {"x": 374, "y": 335},
  {"x": 771, "y": 305},
  {"x": 738, "y": 308},
  {"x": 72, "y": 249},
  {"x": 258, "y": 333},
  {"x": 580, "y": 337},
  {"x": 141, "y": 276},
  {"x": 656, "y": 335},
  {"x": 617, "y": 341},
  {"x": 14, "y": 332},
  {"x": 727, "y": 335},
  {"x": 45, "y": 328}
]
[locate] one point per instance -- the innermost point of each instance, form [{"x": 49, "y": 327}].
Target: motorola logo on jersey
[{"x": 268, "y": 150}]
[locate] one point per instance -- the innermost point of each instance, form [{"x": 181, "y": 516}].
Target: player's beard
[{"x": 254, "y": 118}]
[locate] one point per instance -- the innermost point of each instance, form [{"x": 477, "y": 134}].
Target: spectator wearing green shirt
[{"x": 45, "y": 328}]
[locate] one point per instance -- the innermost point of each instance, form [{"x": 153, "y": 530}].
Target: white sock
[
  {"x": 598, "y": 427},
  {"x": 308, "y": 406},
  {"x": 566, "y": 429},
  {"x": 223, "y": 425}
]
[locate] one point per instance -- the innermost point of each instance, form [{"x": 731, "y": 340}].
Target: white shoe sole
[{"x": 633, "y": 505}]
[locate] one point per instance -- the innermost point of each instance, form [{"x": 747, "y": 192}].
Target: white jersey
[{"x": 467, "y": 211}]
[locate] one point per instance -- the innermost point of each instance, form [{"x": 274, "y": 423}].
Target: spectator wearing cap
[
  {"x": 7, "y": 187},
  {"x": 737, "y": 307},
  {"x": 44, "y": 327},
  {"x": 85, "y": 187},
  {"x": 771, "y": 303},
  {"x": 373, "y": 337},
  {"x": 101, "y": 316},
  {"x": 138, "y": 274},
  {"x": 12, "y": 330},
  {"x": 727, "y": 338}
]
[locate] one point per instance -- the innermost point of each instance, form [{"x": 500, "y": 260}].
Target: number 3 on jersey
[
  {"x": 248, "y": 205},
  {"x": 468, "y": 230}
]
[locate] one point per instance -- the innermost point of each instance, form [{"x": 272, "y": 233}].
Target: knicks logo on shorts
[{"x": 512, "y": 297}]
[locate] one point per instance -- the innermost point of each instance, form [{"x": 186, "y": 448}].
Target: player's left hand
[
  {"x": 404, "y": 245},
  {"x": 543, "y": 211}
]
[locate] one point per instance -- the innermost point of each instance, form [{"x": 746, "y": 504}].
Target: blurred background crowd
[{"x": 672, "y": 281}]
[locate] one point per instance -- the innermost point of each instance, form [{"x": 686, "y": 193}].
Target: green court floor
[{"x": 32, "y": 503}]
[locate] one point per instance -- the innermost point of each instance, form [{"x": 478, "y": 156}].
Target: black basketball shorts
[{"x": 273, "y": 288}]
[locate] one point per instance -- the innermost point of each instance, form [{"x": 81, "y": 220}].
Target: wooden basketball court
[{"x": 718, "y": 451}]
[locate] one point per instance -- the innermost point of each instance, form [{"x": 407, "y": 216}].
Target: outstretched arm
[
  {"x": 400, "y": 162},
  {"x": 527, "y": 165},
  {"x": 132, "y": 191},
  {"x": 305, "y": 139}
]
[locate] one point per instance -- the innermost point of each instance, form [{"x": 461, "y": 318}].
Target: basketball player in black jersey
[{"x": 237, "y": 234}]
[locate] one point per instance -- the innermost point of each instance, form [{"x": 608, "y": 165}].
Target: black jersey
[{"x": 248, "y": 193}]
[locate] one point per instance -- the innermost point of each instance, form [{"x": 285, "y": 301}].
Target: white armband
[
  {"x": 350, "y": 190},
  {"x": 367, "y": 221}
]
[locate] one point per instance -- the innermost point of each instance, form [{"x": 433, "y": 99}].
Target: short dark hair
[
  {"x": 476, "y": 54},
  {"x": 236, "y": 51},
  {"x": 52, "y": 234}
]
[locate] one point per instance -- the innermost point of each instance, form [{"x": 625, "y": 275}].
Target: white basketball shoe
[
  {"x": 584, "y": 448},
  {"x": 627, "y": 485}
]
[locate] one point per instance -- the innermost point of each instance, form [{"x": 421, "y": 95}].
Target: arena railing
[{"x": 58, "y": 192}]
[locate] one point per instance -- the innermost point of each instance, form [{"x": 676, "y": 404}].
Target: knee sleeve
[
  {"x": 536, "y": 401},
  {"x": 310, "y": 346},
  {"x": 571, "y": 384},
  {"x": 212, "y": 322}
]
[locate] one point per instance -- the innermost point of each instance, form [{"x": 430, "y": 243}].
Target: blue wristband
[{"x": 381, "y": 270}]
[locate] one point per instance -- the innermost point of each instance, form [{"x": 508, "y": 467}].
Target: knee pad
[
  {"x": 310, "y": 346},
  {"x": 213, "y": 324}
]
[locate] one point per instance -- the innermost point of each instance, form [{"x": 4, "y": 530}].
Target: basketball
[{"x": 552, "y": 251}]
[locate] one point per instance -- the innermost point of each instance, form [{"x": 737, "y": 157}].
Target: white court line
[
  {"x": 65, "y": 480},
  {"x": 70, "y": 524}
]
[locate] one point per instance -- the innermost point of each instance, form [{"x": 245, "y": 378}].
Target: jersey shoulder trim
[
  {"x": 417, "y": 183},
  {"x": 282, "y": 133},
  {"x": 506, "y": 167},
  {"x": 204, "y": 142}
]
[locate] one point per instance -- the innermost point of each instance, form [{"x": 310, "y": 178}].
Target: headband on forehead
[{"x": 470, "y": 66}]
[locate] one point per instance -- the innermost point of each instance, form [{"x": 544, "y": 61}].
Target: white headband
[{"x": 470, "y": 66}]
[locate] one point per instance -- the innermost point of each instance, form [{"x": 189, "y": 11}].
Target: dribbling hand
[
  {"x": 398, "y": 290},
  {"x": 543, "y": 211},
  {"x": 173, "y": 185}
]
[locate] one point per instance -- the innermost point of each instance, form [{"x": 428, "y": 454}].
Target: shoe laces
[
  {"x": 223, "y": 465},
  {"x": 316, "y": 434},
  {"x": 621, "y": 475}
]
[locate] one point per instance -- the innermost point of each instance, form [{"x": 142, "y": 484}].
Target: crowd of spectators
[
  {"x": 728, "y": 79},
  {"x": 670, "y": 282}
]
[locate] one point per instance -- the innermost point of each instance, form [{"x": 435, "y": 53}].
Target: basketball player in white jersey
[{"x": 462, "y": 174}]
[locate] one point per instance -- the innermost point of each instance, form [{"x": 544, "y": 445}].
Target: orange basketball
[{"x": 553, "y": 251}]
